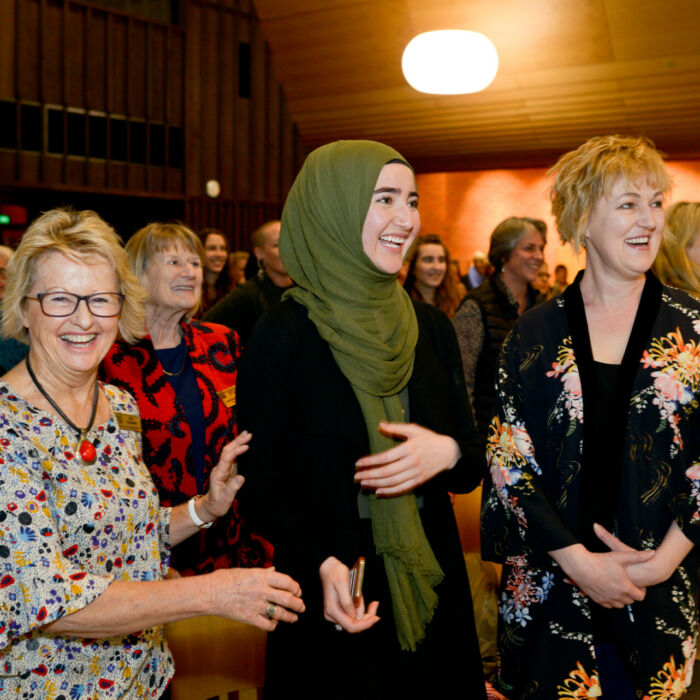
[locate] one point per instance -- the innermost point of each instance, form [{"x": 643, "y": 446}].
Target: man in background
[
  {"x": 477, "y": 272},
  {"x": 242, "y": 307}
]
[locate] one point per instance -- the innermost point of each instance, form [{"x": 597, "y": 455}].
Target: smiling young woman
[
  {"x": 215, "y": 282},
  {"x": 356, "y": 397},
  {"x": 428, "y": 278}
]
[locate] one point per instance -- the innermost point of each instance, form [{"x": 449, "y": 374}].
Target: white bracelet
[{"x": 193, "y": 514}]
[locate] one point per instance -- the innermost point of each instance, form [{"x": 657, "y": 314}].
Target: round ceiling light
[{"x": 450, "y": 62}]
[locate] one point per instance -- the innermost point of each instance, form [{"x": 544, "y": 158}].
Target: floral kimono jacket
[{"x": 537, "y": 446}]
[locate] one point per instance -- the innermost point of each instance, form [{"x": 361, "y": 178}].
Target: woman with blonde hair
[
  {"x": 429, "y": 276},
  {"x": 592, "y": 502},
  {"x": 183, "y": 377},
  {"x": 84, "y": 541},
  {"x": 678, "y": 260}
]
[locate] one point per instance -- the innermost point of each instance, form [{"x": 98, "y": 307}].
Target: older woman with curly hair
[
  {"x": 84, "y": 543},
  {"x": 429, "y": 277},
  {"x": 678, "y": 260},
  {"x": 593, "y": 498}
]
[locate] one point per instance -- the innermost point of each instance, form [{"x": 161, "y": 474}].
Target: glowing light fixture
[{"x": 450, "y": 62}]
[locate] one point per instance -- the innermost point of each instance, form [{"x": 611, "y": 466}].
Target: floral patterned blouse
[
  {"x": 66, "y": 532},
  {"x": 537, "y": 447}
]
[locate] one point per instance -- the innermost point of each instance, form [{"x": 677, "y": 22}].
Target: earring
[{"x": 261, "y": 270}]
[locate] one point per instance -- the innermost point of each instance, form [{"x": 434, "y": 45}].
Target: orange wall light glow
[{"x": 464, "y": 207}]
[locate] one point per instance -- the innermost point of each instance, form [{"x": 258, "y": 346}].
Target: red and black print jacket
[{"x": 213, "y": 351}]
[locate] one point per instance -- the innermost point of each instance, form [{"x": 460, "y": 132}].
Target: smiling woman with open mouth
[{"x": 593, "y": 500}]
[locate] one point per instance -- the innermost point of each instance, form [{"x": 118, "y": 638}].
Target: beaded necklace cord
[{"x": 85, "y": 448}]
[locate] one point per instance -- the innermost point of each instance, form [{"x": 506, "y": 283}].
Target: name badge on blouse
[
  {"x": 228, "y": 396},
  {"x": 128, "y": 421}
]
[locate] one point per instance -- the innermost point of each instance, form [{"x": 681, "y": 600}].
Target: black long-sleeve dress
[{"x": 308, "y": 431}]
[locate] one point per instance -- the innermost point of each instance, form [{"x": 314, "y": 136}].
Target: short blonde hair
[
  {"x": 158, "y": 237},
  {"x": 590, "y": 172},
  {"x": 77, "y": 235},
  {"x": 672, "y": 265}
]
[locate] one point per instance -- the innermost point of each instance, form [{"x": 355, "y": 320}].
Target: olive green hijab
[{"x": 369, "y": 323}]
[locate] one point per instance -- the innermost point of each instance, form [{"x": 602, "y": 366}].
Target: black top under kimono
[
  {"x": 308, "y": 431},
  {"x": 540, "y": 453}
]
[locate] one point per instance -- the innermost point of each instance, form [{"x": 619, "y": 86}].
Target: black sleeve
[
  {"x": 457, "y": 420},
  {"x": 277, "y": 495},
  {"x": 237, "y": 310},
  {"x": 223, "y": 311}
]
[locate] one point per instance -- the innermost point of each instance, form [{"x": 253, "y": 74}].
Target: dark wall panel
[
  {"x": 74, "y": 53},
  {"x": 175, "y": 78},
  {"x": 258, "y": 110},
  {"x": 209, "y": 108},
  {"x": 228, "y": 123},
  {"x": 157, "y": 72},
  {"x": 242, "y": 169},
  {"x": 137, "y": 57},
  {"x": 96, "y": 60},
  {"x": 116, "y": 60},
  {"x": 52, "y": 58},
  {"x": 114, "y": 104},
  {"x": 7, "y": 50},
  {"x": 27, "y": 50}
]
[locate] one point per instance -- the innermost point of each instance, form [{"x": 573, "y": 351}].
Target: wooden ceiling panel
[
  {"x": 568, "y": 70},
  {"x": 651, "y": 29}
]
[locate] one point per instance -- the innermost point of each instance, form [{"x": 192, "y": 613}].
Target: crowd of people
[{"x": 190, "y": 431}]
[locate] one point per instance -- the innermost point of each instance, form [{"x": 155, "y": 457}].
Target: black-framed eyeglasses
[{"x": 102, "y": 304}]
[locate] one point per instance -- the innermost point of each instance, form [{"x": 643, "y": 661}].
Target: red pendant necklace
[{"x": 86, "y": 449}]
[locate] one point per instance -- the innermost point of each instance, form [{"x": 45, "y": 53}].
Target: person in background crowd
[
  {"x": 331, "y": 376},
  {"x": 477, "y": 272},
  {"x": 215, "y": 281},
  {"x": 84, "y": 543},
  {"x": 183, "y": 377},
  {"x": 428, "y": 277},
  {"x": 5, "y": 256},
  {"x": 560, "y": 280},
  {"x": 597, "y": 431},
  {"x": 541, "y": 283},
  {"x": 678, "y": 260},
  {"x": 456, "y": 273},
  {"x": 237, "y": 262},
  {"x": 12, "y": 350},
  {"x": 488, "y": 312},
  {"x": 241, "y": 308}
]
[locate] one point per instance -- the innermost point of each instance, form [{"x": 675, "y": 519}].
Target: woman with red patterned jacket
[{"x": 183, "y": 377}]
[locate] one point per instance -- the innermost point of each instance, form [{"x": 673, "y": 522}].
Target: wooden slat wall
[{"x": 78, "y": 56}]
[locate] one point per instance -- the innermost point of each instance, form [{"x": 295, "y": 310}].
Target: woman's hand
[
  {"x": 603, "y": 577},
  {"x": 657, "y": 569},
  {"x": 402, "y": 468},
  {"x": 337, "y": 600},
  {"x": 260, "y": 597},
  {"x": 224, "y": 481}
]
